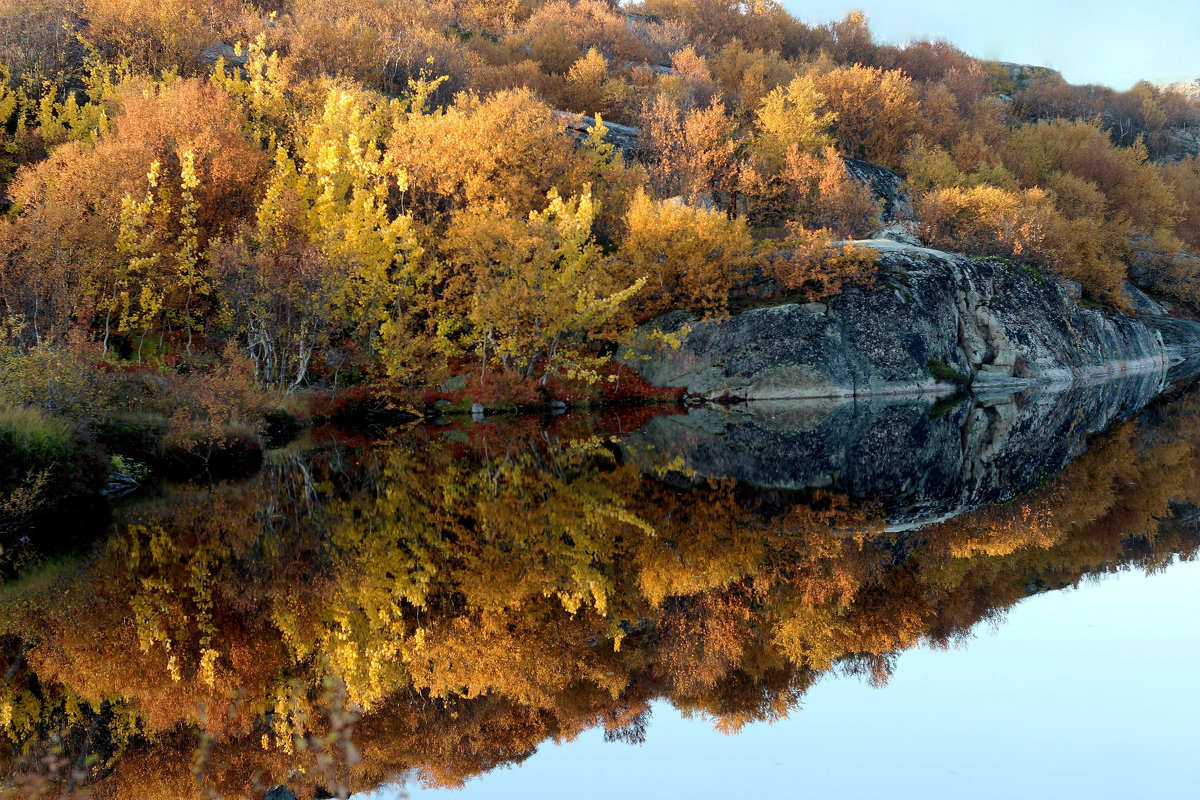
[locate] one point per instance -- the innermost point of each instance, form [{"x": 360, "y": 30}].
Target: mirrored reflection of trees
[{"x": 438, "y": 604}]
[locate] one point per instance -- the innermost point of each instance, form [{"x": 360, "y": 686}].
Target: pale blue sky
[{"x": 1113, "y": 42}]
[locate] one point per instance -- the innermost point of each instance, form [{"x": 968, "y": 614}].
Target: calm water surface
[
  {"x": 1089, "y": 692},
  {"x": 979, "y": 597}
]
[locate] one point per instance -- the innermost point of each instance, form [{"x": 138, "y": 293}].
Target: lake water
[
  {"x": 1088, "y": 692},
  {"x": 970, "y": 596}
]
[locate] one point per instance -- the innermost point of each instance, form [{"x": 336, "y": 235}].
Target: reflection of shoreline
[
  {"x": 927, "y": 460},
  {"x": 472, "y": 597}
]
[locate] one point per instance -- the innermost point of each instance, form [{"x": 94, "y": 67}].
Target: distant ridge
[{"x": 1189, "y": 89}]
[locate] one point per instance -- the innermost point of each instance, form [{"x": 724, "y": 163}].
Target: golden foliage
[
  {"x": 1184, "y": 177},
  {"x": 878, "y": 111},
  {"x": 986, "y": 219},
  {"x": 687, "y": 255},
  {"x": 454, "y": 163},
  {"x": 692, "y": 155},
  {"x": 788, "y": 119},
  {"x": 812, "y": 262},
  {"x": 539, "y": 293}
]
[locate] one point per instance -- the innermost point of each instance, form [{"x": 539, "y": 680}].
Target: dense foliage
[{"x": 385, "y": 190}]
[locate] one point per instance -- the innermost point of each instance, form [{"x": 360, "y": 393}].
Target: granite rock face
[
  {"x": 624, "y": 137},
  {"x": 929, "y": 320},
  {"x": 1141, "y": 302},
  {"x": 921, "y": 461},
  {"x": 885, "y": 186}
]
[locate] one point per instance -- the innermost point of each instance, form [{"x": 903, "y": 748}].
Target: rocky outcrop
[
  {"x": 623, "y": 137},
  {"x": 929, "y": 320},
  {"x": 1022, "y": 76},
  {"x": 218, "y": 51},
  {"x": 885, "y": 186},
  {"x": 1141, "y": 302},
  {"x": 918, "y": 459}
]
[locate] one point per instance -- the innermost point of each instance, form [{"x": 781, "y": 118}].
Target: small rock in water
[
  {"x": 118, "y": 486},
  {"x": 556, "y": 406},
  {"x": 477, "y": 412}
]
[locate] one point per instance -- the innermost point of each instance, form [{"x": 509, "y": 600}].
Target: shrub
[
  {"x": 811, "y": 262},
  {"x": 878, "y": 111},
  {"x": 823, "y": 195},
  {"x": 54, "y": 378},
  {"x": 31, "y": 436},
  {"x": 689, "y": 256},
  {"x": 42, "y": 464},
  {"x": 985, "y": 220}
]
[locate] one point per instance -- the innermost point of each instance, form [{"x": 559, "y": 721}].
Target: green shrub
[
  {"x": 946, "y": 373},
  {"x": 30, "y": 441}
]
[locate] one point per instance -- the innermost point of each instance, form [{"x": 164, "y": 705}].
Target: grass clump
[
  {"x": 30, "y": 441},
  {"x": 945, "y": 373}
]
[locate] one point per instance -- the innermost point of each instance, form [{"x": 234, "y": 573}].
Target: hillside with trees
[{"x": 212, "y": 206}]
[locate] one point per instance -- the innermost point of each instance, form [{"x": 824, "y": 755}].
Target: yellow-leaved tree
[
  {"x": 791, "y": 116},
  {"x": 334, "y": 194},
  {"x": 538, "y": 290},
  {"x": 878, "y": 111},
  {"x": 690, "y": 257},
  {"x": 261, "y": 88}
]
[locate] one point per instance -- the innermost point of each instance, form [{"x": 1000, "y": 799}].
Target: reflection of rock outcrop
[
  {"x": 930, "y": 318},
  {"x": 924, "y": 461}
]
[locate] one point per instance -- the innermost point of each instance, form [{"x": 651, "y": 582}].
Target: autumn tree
[
  {"x": 689, "y": 256},
  {"x": 83, "y": 210},
  {"x": 538, "y": 291},
  {"x": 1184, "y": 177},
  {"x": 878, "y": 111},
  {"x": 791, "y": 117},
  {"x": 335, "y": 194},
  {"x": 505, "y": 153},
  {"x": 694, "y": 154}
]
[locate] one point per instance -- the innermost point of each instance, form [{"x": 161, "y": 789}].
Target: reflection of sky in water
[{"x": 1089, "y": 693}]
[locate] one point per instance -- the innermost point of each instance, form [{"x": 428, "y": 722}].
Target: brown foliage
[
  {"x": 878, "y": 111},
  {"x": 586, "y": 24},
  {"x": 160, "y": 35},
  {"x": 691, "y": 155},
  {"x": 821, "y": 194},
  {"x": 1184, "y": 177},
  {"x": 60, "y": 251},
  {"x": 505, "y": 153},
  {"x": 811, "y": 262}
]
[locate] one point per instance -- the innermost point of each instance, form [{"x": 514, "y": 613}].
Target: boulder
[
  {"x": 885, "y": 186},
  {"x": 218, "y": 50},
  {"x": 929, "y": 320},
  {"x": 456, "y": 383},
  {"x": 1141, "y": 302},
  {"x": 623, "y": 137}
]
